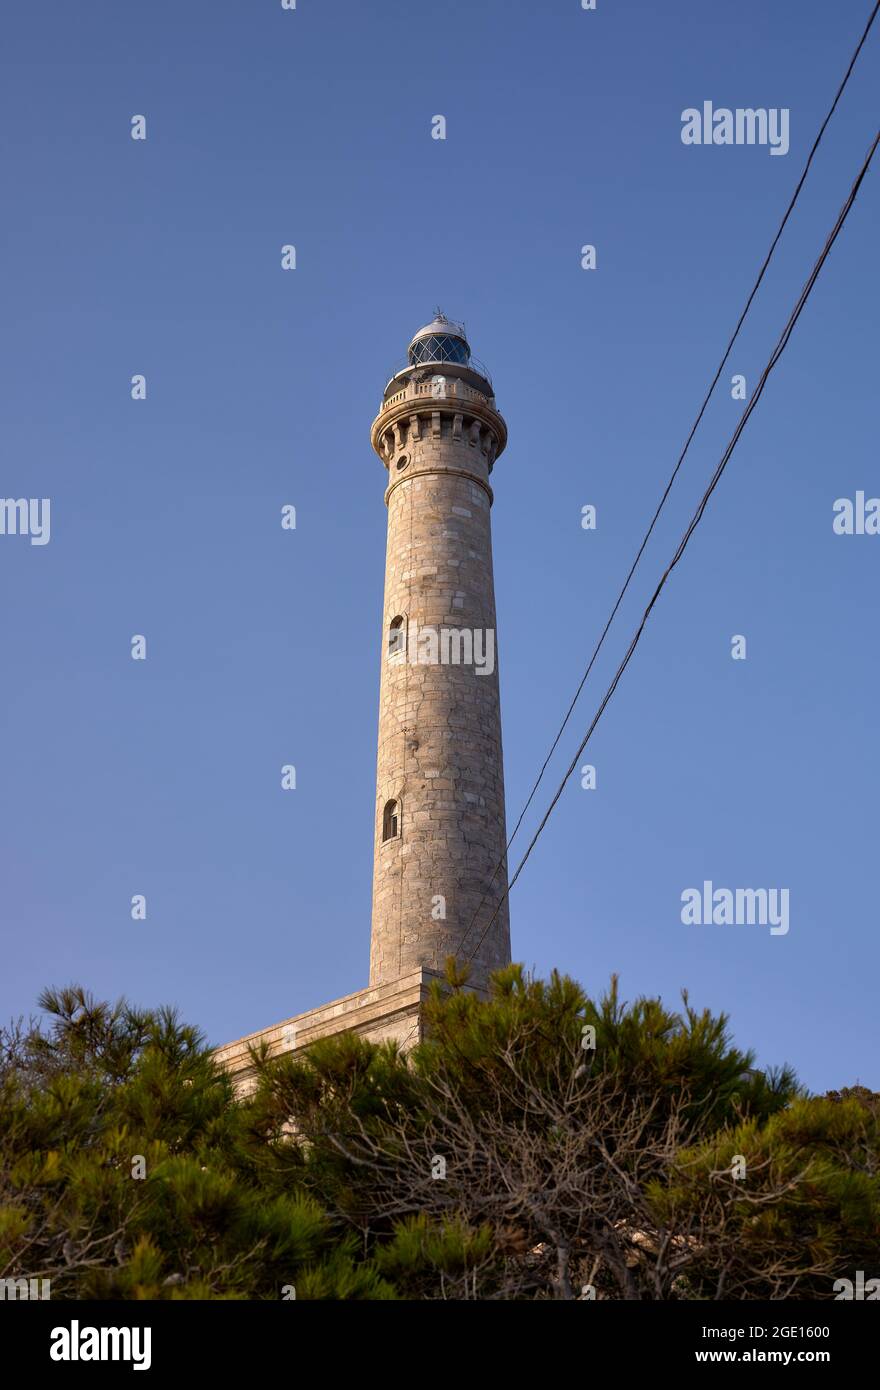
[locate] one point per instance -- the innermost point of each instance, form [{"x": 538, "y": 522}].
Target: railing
[
  {"x": 473, "y": 363},
  {"x": 455, "y": 390}
]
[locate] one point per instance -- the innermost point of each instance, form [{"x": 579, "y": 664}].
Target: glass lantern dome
[{"x": 441, "y": 340}]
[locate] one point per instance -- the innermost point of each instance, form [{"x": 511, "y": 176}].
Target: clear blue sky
[{"x": 268, "y": 127}]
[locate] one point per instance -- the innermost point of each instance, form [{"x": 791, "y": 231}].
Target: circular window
[{"x": 402, "y": 461}]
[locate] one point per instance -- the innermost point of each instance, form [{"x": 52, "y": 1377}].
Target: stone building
[{"x": 439, "y": 864}]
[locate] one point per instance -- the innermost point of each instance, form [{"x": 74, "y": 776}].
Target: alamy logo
[
  {"x": 445, "y": 646},
  {"x": 25, "y": 1289},
  {"x": 77, "y": 1343},
  {"x": 856, "y": 518},
  {"x": 864, "y": 1290},
  {"x": 736, "y": 907},
  {"x": 744, "y": 126},
  {"x": 22, "y": 517}
]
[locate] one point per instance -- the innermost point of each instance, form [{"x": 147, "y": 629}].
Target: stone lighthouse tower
[
  {"x": 439, "y": 820},
  {"x": 439, "y": 859}
]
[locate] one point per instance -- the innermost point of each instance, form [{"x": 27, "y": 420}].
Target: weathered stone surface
[
  {"x": 390, "y": 1011},
  {"x": 439, "y": 755},
  {"x": 438, "y": 878}
]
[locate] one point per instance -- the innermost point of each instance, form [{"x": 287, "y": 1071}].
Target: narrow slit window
[
  {"x": 396, "y": 636},
  {"x": 390, "y": 821}
]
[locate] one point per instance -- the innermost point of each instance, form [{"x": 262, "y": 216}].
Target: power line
[
  {"x": 698, "y": 514},
  {"x": 675, "y": 471}
]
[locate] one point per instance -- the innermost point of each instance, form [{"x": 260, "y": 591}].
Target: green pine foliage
[
  {"x": 124, "y": 1171},
  {"x": 794, "y": 1200},
  {"x": 655, "y": 1051},
  {"x": 540, "y": 1144}
]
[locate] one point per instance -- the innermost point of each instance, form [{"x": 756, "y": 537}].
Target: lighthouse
[
  {"x": 439, "y": 837},
  {"x": 439, "y": 861}
]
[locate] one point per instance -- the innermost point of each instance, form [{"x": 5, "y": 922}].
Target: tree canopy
[{"x": 538, "y": 1144}]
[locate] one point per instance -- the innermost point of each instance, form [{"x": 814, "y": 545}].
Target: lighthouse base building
[
  {"x": 391, "y": 1012},
  {"x": 439, "y": 862}
]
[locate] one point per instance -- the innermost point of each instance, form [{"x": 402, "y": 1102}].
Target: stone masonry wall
[{"x": 440, "y": 755}]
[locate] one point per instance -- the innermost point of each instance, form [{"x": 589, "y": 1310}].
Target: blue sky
[{"x": 162, "y": 257}]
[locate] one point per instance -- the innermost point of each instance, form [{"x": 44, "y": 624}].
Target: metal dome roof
[
  {"x": 440, "y": 341},
  {"x": 440, "y": 324}
]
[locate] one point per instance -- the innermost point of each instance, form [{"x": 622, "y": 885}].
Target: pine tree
[{"x": 124, "y": 1171}]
